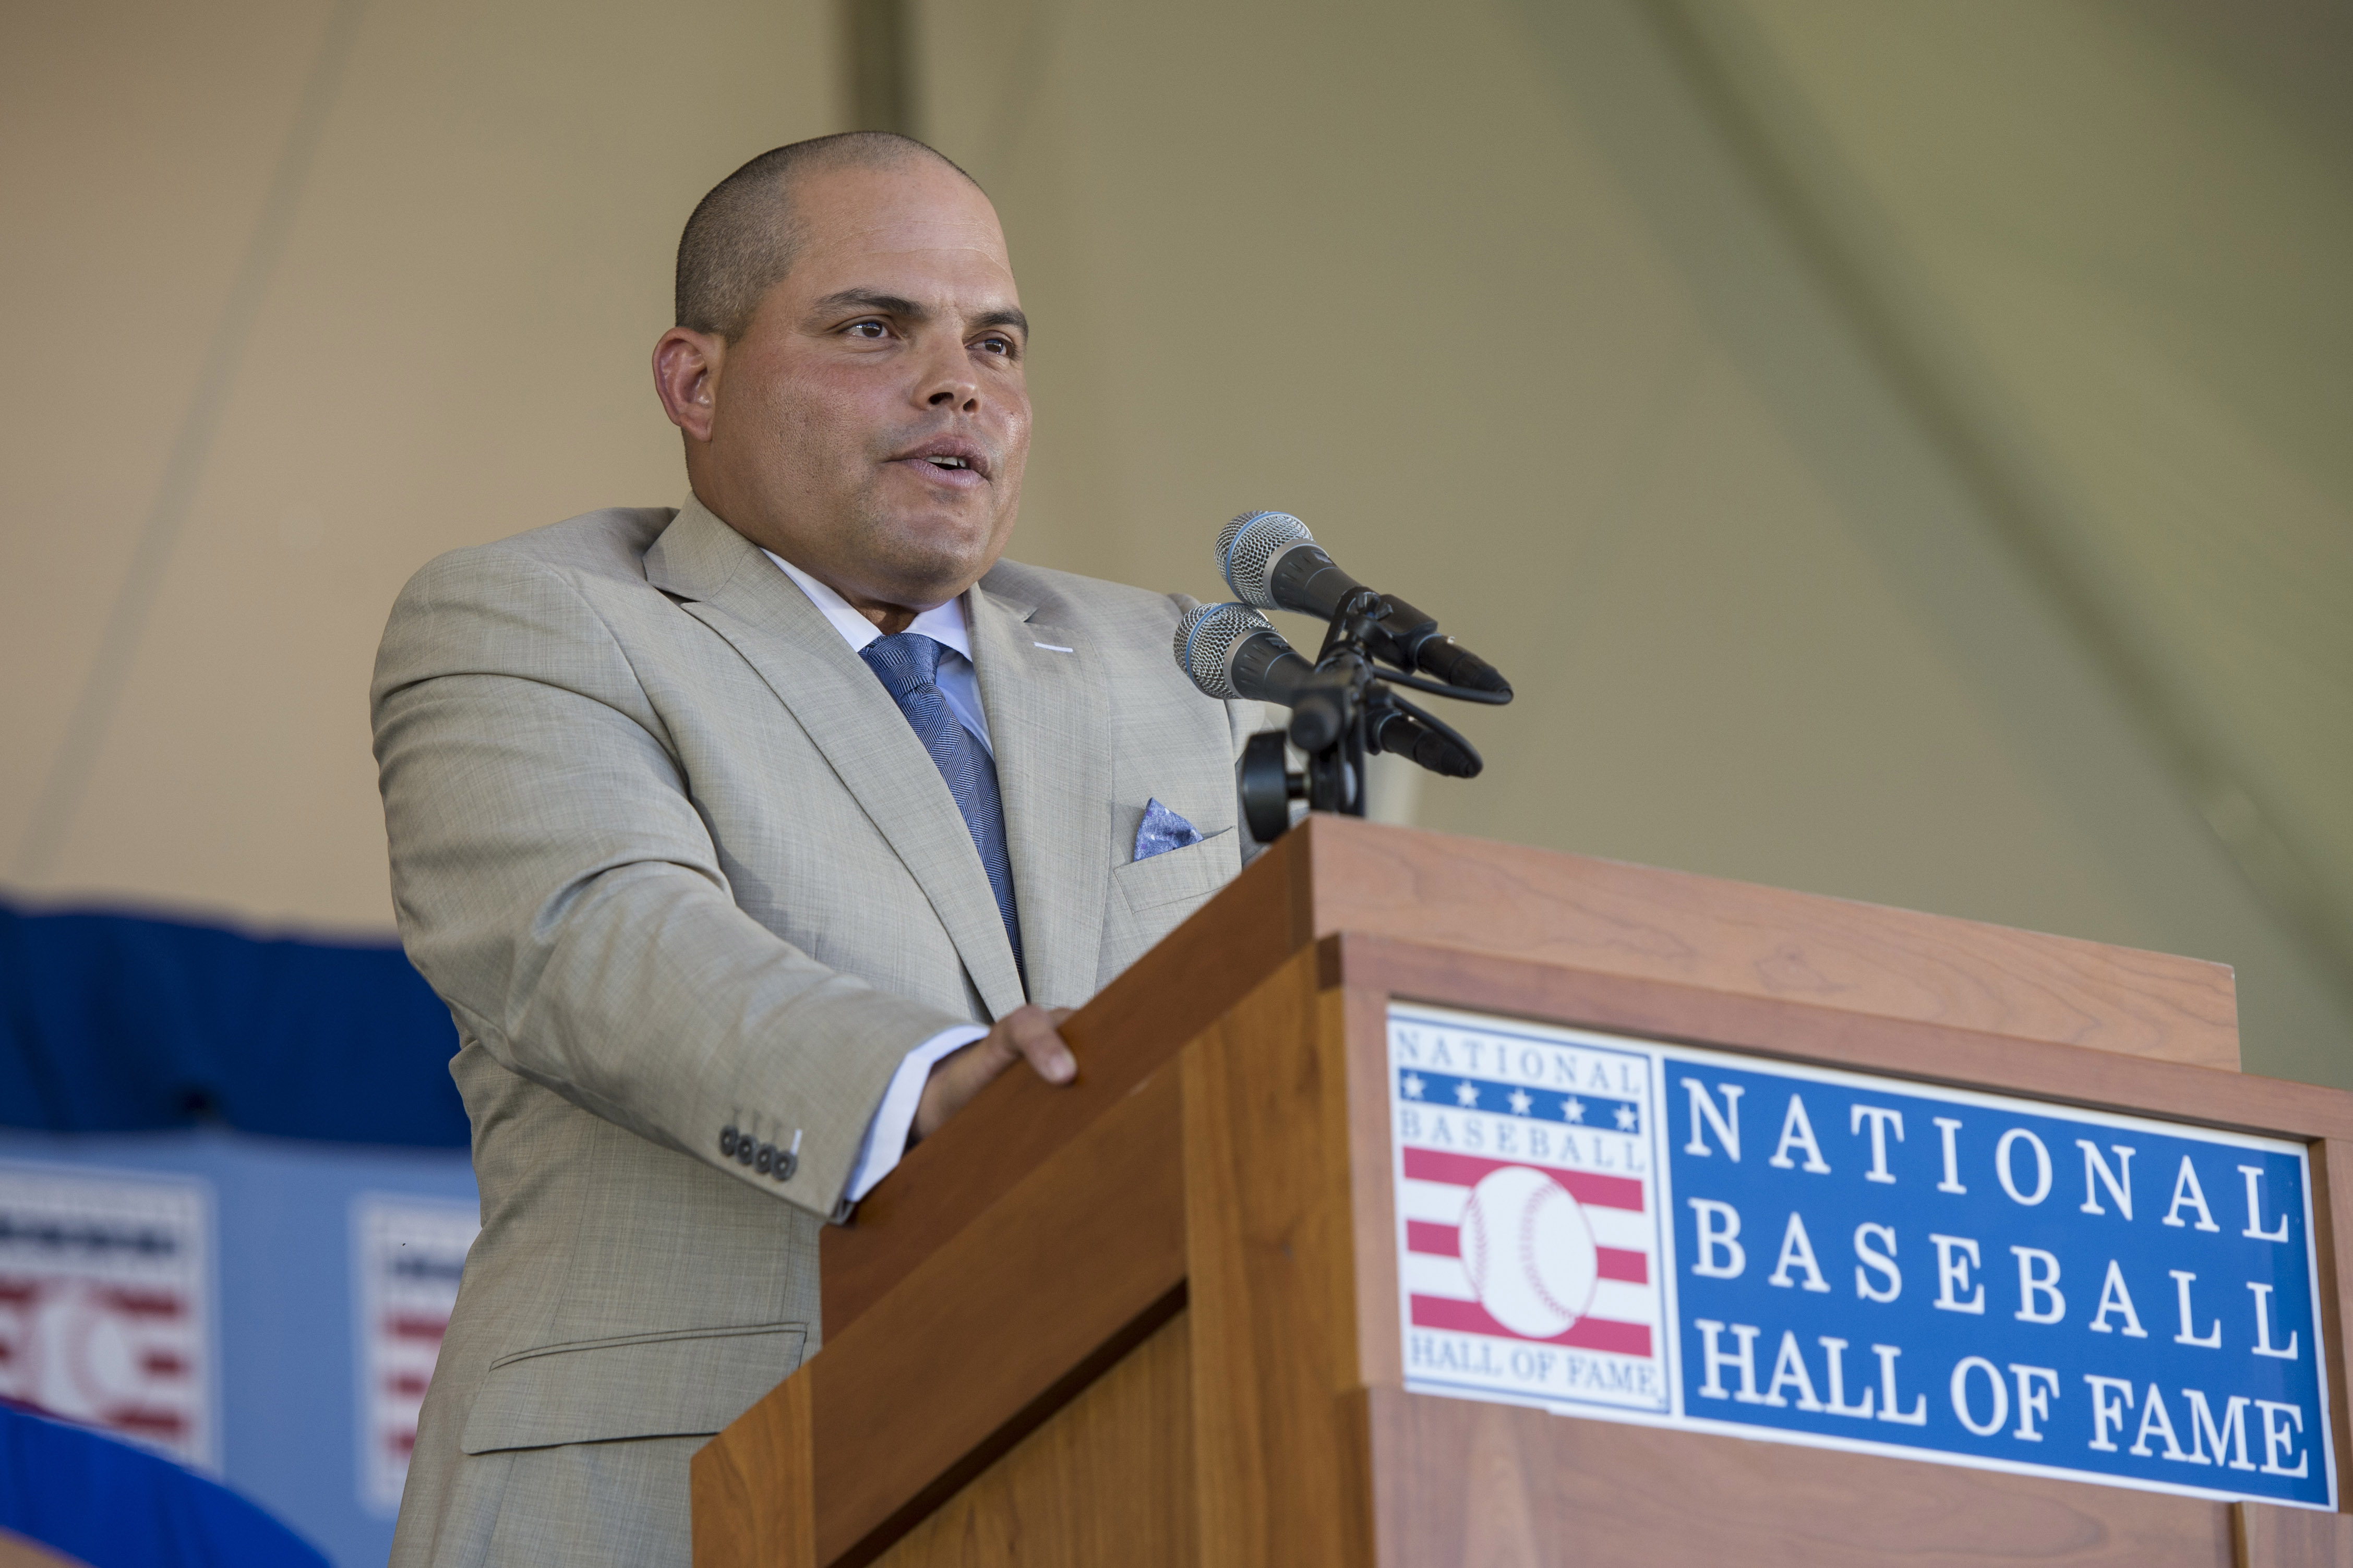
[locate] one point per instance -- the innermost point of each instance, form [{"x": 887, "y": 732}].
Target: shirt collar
[{"x": 943, "y": 624}]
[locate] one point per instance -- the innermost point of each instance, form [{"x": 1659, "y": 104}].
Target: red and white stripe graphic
[
  {"x": 106, "y": 1303},
  {"x": 410, "y": 1252},
  {"x": 1528, "y": 1252}
]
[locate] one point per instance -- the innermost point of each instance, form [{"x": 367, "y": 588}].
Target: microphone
[
  {"x": 1270, "y": 561},
  {"x": 1232, "y": 651}
]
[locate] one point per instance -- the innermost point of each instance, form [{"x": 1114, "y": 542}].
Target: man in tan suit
[{"x": 740, "y": 840}]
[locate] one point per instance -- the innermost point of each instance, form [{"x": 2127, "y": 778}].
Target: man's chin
[{"x": 938, "y": 556}]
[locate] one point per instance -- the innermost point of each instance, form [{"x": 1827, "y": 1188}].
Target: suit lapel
[
  {"x": 1049, "y": 726},
  {"x": 834, "y": 697}
]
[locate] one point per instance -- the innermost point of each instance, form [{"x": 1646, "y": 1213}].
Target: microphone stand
[{"x": 1336, "y": 722}]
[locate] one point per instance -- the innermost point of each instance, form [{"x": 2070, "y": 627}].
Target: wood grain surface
[
  {"x": 1107, "y": 1481},
  {"x": 1009, "y": 1318},
  {"x": 2292, "y": 1537},
  {"x": 2332, "y": 1224},
  {"x": 1372, "y": 1195},
  {"x": 1463, "y": 1482},
  {"x": 753, "y": 1486},
  {"x": 1278, "y": 1454},
  {"x": 1510, "y": 902}
]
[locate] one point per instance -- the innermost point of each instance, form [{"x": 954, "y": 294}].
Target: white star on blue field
[{"x": 1507, "y": 1099}]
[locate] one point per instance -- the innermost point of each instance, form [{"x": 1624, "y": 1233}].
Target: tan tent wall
[
  {"x": 1750, "y": 377},
  {"x": 304, "y": 294}
]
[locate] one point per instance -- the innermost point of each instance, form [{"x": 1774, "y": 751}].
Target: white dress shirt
[{"x": 886, "y": 1136}]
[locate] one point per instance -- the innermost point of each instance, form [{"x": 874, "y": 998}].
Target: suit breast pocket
[{"x": 1180, "y": 876}]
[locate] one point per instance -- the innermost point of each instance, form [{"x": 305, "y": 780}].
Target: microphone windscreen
[
  {"x": 1205, "y": 639},
  {"x": 1247, "y": 548}
]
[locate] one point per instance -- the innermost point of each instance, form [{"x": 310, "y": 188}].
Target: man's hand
[{"x": 1027, "y": 1032}]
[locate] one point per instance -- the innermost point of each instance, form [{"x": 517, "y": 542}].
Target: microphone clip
[{"x": 1347, "y": 711}]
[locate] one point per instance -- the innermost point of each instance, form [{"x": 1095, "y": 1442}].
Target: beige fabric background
[{"x": 1896, "y": 447}]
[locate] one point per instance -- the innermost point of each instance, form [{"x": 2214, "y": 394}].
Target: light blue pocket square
[{"x": 1163, "y": 830}]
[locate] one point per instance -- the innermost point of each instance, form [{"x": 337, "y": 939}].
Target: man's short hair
[{"x": 743, "y": 235}]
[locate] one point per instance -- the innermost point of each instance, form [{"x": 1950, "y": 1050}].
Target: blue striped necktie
[{"x": 909, "y": 665}]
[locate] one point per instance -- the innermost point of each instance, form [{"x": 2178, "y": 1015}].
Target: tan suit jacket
[{"x": 677, "y": 864}]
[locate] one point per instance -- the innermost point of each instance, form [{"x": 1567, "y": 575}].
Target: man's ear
[{"x": 686, "y": 375}]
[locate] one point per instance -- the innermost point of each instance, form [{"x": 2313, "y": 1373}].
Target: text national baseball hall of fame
[{"x": 1615, "y": 1228}]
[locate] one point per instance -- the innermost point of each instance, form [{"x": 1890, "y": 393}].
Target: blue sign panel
[{"x": 1623, "y": 1229}]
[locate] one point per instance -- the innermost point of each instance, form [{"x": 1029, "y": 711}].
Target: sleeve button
[{"x": 727, "y": 1142}]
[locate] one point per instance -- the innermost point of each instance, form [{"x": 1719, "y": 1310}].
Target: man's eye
[
  {"x": 997, "y": 344},
  {"x": 869, "y": 329}
]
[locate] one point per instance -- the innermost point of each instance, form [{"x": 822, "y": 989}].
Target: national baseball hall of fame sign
[{"x": 1619, "y": 1229}]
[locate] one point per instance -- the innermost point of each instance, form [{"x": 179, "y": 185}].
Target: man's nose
[{"x": 948, "y": 380}]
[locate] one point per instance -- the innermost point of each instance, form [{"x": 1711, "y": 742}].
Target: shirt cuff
[{"x": 886, "y": 1136}]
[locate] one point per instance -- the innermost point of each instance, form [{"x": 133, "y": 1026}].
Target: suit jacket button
[
  {"x": 765, "y": 1158},
  {"x": 787, "y": 1163},
  {"x": 743, "y": 1149},
  {"x": 727, "y": 1142}
]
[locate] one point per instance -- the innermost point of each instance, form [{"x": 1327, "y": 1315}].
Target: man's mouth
[{"x": 951, "y": 459}]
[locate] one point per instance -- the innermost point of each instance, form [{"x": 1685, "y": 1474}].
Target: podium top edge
[{"x": 1544, "y": 906}]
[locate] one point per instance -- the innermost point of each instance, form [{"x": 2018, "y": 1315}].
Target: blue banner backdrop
[{"x": 118, "y": 1023}]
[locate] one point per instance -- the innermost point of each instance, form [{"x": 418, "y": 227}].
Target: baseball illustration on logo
[{"x": 1529, "y": 1252}]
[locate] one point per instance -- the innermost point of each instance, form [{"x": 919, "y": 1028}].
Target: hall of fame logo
[
  {"x": 410, "y": 1254},
  {"x": 107, "y": 1303},
  {"x": 1530, "y": 1264}
]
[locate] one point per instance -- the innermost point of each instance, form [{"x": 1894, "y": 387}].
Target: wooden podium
[{"x": 1153, "y": 1318}]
